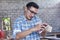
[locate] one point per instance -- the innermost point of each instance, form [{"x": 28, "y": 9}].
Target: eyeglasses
[{"x": 32, "y": 12}]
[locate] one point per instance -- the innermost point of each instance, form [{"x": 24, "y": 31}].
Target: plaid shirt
[{"x": 21, "y": 24}]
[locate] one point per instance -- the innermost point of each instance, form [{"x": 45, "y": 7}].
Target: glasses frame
[{"x": 32, "y": 11}]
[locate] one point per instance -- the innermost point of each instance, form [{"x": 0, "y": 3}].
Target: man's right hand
[{"x": 37, "y": 28}]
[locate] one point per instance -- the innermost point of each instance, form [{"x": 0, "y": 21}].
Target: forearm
[
  {"x": 27, "y": 32},
  {"x": 23, "y": 34}
]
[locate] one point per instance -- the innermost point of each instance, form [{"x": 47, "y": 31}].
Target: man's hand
[
  {"x": 37, "y": 27},
  {"x": 44, "y": 32},
  {"x": 44, "y": 24}
]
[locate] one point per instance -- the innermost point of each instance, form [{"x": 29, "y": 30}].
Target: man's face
[{"x": 31, "y": 12}]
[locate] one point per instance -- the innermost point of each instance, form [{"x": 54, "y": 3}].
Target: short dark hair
[{"x": 32, "y": 4}]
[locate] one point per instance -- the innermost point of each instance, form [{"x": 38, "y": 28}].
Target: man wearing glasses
[{"x": 27, "y": 26}]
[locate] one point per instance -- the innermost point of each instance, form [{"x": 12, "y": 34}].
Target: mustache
[{"x": 31, "y": 16}]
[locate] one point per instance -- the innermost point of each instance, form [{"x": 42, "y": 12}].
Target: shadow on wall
[{"x": 51, "y": 15}]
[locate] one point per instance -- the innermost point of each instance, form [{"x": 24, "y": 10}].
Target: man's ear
[{"x": 25, "y": 9}]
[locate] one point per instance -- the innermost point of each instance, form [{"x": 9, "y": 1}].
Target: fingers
[
  {"x": 40, "y": 26},
  {"x": 45, "y": 24}
]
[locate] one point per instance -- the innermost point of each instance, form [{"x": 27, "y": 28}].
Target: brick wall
[{"x": 49, "y": 11}]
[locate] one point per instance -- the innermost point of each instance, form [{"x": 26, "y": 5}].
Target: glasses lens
[{"x": 32, "y": 12}]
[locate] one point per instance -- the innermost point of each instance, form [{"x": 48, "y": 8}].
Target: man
[{"x": 26, "y": 27}]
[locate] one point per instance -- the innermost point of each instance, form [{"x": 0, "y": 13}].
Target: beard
[{"x": 29, "y": 18}]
